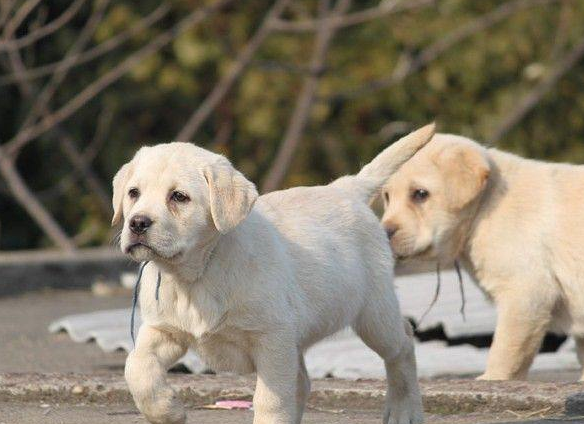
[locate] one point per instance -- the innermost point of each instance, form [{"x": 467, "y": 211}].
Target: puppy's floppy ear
[
  {"x": 119, "y": 186},
  {"x": 231, "y": 195},
  {"x": 466, "y": 171}
]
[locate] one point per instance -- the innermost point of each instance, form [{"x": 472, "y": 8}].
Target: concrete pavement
[
  {"x": 98, "y": 393},
  {"x": 502, "y": 401},
  {"x": 27, "y": 346},
  {"x": 51, "y": 413}
]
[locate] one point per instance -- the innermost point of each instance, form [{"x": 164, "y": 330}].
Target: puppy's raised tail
[{"x": 369, "y": 181}]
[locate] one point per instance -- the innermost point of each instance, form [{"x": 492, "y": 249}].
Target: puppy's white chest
[{"x": 179, "y": 308}]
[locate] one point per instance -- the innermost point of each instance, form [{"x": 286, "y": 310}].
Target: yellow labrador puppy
[
  {"x": 517, "y": 225},
  {"x": 250, "y": 283}
]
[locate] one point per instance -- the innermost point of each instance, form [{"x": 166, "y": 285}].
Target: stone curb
[{"x": 440, "y": 396}]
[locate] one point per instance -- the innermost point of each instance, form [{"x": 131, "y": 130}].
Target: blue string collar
[{"x": 135, "y": 296}]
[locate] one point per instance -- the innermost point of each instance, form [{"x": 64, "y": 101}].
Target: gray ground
[
  {"x": 122, "y": 414},
  {"x": 27, "y": 346}
]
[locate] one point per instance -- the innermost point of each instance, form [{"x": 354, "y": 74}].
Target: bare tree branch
[
  {"x": 101, "y": 130},
  {"x": 5, "y": 9},
  {"x": 44, "y": 97},
  {"x": 384, "y": 8},
  {"x": 19, "y": 17},
  {"x": 11, "y": 27},
  {"x": 17, "y": 186},
  {"x": 335, "y": 155},
  {"x": 79, "y": 161},
  {"x": 24, "y": 196},
  {"x": 93, "y": 53},
  {"x": 305, "y": 100},
  {"x": 69, "y": 148},
  {"x": 412, "y": 65},
  {"x": 87, "y": 156},
  {"x": 562, "y": 31},
  {"x": 66, "y": 142},
  {"x": 535, "y": 96},
  {"x": 274, "y": 65},
  {"x": 44, "y": 31},
  {"x": 37, "y": 211},
  {"x": 241, "y": 62},
  {"x": 113, "y": 75}
]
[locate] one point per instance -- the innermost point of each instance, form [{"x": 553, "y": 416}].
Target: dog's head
[
  {"x": 432, "y": 197},
  {"x": 174, "y": 198}
]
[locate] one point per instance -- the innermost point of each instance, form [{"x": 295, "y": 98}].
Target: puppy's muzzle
[
  {"x": 139, "y": 224},
  {"x": 391, "y": 230}
]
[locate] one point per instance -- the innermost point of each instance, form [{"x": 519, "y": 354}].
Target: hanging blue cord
[
  {"x": 135, "y": 300},
  {"x": 135, "y": 296},
  {"x": 157, "y": 286}
]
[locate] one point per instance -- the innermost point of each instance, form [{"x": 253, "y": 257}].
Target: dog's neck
[
  {"x": 195, "y": 263},
  {"x": 461, "y": 234},
  {"x": 484, "y": 205}
]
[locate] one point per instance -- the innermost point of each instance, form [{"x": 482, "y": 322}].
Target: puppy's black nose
[
  {"x": 139, "y": 224},
  {"x": 391, "y": 230}
]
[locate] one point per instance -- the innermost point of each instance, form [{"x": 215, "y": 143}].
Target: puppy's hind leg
[
  {"x": 580, "y": 352},
  {"x": 384, "y": 330},
  {"x": 302, "y": 389},
  {"x": 275, "y": 399}
]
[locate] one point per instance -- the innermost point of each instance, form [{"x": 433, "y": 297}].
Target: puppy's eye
[
  {"x": 178, "y": 196},
  {"x": 419, "y": 195},
  {"x": 133, "y": 193}
]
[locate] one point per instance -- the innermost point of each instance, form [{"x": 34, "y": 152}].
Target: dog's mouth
[
  {"x": 132, "y": 248},
  {"x": 419, "y": 254}
]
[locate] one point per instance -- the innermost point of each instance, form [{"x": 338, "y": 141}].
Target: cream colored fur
[
  {"x": 517, "y": 226},
  {"x": 250, "y": 285}
]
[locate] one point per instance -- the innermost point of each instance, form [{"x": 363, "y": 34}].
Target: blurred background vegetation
[{"x": 504, "y": 72}]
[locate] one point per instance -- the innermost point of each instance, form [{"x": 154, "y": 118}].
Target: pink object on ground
[{"x": 233, "y": 404}]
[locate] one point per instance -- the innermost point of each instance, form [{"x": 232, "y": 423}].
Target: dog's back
[
  {"x": 340, "y": 254},
  {"x": 330, "y": 230},
  {"x": 540, "y": 204},
  {"x": 335, "y": 242}
]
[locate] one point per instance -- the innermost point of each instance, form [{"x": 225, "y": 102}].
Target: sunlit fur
[{"x": 516, "y": 225}]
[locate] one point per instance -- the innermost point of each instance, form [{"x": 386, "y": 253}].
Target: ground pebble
[{"x": 77, "y": 390}]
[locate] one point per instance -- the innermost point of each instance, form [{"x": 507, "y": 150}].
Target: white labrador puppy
[{"x": 251, "y": 285}]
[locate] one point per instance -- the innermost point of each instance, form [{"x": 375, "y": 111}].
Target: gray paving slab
[{"x": 51, "y": 413}]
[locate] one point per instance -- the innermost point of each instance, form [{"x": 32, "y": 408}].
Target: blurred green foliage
[{"x": 468, "y": 90}]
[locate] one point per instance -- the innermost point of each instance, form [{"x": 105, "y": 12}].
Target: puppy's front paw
[
  {"x": 166, "y": 409},
  {"x": 488, "y": 376}
]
